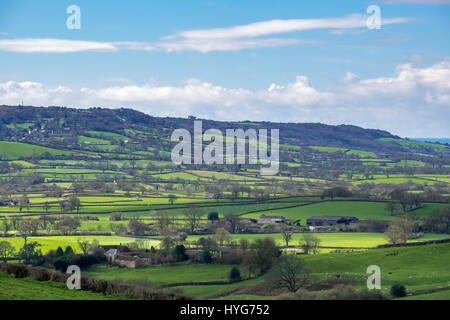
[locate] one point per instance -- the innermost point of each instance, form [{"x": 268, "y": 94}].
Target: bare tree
[
  {"x": 27, "y": 228},
  {"x": 400, "y": 230},
  {"x": 309, "y": 243},
  {"x": 193, "y": 215},
  {"x": 222, "y": 236},
  {"x": 391, "y": 206},
  {"x": 287, "y": 234},
  {"x": 288, "y": 272},
  {"x": 84, "y": 245}
]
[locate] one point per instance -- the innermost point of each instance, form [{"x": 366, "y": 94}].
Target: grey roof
[
  {"x": 111, "y": 252},
  {"x": 271, "y": 217},
  {"x": 331, "y": 218}
]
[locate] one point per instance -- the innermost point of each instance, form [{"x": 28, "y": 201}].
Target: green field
[
  {"x": 15, "y": 150},
  {"x": 358, "y": 209},
  {"x": 163, "y": 274},
  {"x": 53, "y": 242},
  {"x": 420, "y": 269},
  {"x": 29, "y": 289},
  {"x": 333, "y": 239}
]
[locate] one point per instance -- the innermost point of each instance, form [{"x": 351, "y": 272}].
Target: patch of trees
[
  {"x": 67, "y": 225},
  {"x": 61, "y": 260},
  {"x": 438, "y": 221},
  {"x": 335, "y": 192},
  {"x": 372, "y": 225}
]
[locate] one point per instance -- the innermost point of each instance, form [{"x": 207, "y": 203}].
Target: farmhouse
[
  {"x": 330, "y": 220},
  {"x": 111, "y": 254},
  {"x": 112, "y": 250},
  {"x": 271, "y": 219},
  {"x": 128, "y": 261}
]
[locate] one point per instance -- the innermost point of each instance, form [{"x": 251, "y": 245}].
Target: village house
[{"x": 129, "y": 261}]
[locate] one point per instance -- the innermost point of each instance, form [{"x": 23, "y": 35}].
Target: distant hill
[{"x": 48, "y": 126}]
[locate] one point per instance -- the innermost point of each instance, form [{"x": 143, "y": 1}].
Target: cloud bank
[
  {"x": 253, "y": 35},
  {"x": 414, "y": 102}
]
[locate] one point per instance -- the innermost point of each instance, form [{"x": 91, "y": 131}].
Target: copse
[
  {"x": 400, "y": 230},
  {"x": 335, "y": 192},
  {"x": 438, "y": 221},
  {"x": 264, "y": 252}
]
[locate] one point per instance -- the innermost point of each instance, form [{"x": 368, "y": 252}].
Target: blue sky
[{"x": 302, "y": 61}]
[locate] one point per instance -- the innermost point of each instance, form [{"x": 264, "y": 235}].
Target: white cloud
[
  {"x": 278, "y": 26},
  {"x": 53, "y": 45},
  {"x": 414, "y": 102},
  {"x": 349, "y": 77},
  {"x": 233, "y": 38}
]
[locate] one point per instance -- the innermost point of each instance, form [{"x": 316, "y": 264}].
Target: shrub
[
  {"x": 398, "y": 290},
  {"x": 213, "y": 216},
  {"x": 234, "y": 275},
  {"x": 59, "y": 252},
  {"x": 207, "y": 258},
  {"x": 68, "y": 251},
  {"x": 179, "y": 253},
  {"x": 339, "y": 292},
  {"x": 233, "y": 257},
  {"x": 40, "y": 274},
  {"x": 18, "y": 270}
]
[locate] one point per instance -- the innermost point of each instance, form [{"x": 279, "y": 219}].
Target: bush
[
  {"x": 59, "y": 252},
  {"x": 233, "y": 257},
  {"x": 207, "y": 258},
  {"x": 179, "y": 253},
  {"x": 18, "y": 270},
  {"x": 40, "y": 274},
  {"x": 339, "y": 292},
  {"x": 68, "y": 251},
  {"x": 83, "y": 261},
  {"x": 398, "y": 290},
  {"x": 234, "y": 275}
]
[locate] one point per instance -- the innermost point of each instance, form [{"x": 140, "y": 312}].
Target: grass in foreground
[{"x": 29, "y": 289}]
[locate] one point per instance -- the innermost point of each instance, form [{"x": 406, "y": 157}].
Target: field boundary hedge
[
  {"x": 104, "y": 287},
  {"x": 412, "y": 244}
]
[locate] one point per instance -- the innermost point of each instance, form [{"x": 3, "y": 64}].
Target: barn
[{"x": 330, "y": 220}]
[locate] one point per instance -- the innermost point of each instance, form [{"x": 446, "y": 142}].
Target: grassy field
[
  {"x": 163, "y": 274},
  {"x": 334, "y": 239},
  {"x": 420, "y": 269},
  {"x": 213, "y": 291},
  {"x": 29, "y": 289},
  {"x": 16, "y": 150},
  {"x": 358, "y": 209},
  {"x": 53, "y": 242}
]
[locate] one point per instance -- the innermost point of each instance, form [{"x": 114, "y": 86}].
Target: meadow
[
  {"x": 29, "y": 289},
  {"x": 16, "y": 150},
  {"x": 159, "y": 275},
  {"x": 332, "y": 239},
  {"x": 53, "y": 242},
  {"x": 421, "y": 269}
]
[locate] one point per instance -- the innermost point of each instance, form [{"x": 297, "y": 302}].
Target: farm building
[
  {"x": 271, "y": 219},
  {"x": 128, "y": 261},
  {"x": 330, "y": 220},
  {"x": 111, "y": 254},
  {"x": 108, "y": 249}
]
